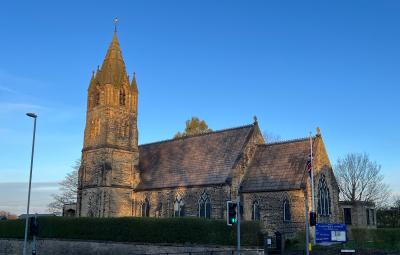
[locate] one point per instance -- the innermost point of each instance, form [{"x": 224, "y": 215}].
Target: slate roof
[
  {"x": 277, "y": 166},
  {"x": 189, "y": 161}
]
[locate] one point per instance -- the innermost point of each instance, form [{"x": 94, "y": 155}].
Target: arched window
[
  {"x": 286, "y": 210},
  {"x": 255, "y": 212},
  {"x": 146, "y": 208},
  {"x": 122, "y": 97},
  {"x": 96, "y": 100},
  {"x": 158, "y": 211},
  {"x": 179, "y": 207},
  {"x": 324, "y": 198},
  {"x": 204, "y": 206}
]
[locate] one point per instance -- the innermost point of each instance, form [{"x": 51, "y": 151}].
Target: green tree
[{"x": 194, "y": 126}]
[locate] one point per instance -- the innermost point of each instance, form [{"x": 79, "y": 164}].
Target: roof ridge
[
  {"x": 196, "y": 135},
  {"x": 286, "y": 141}
]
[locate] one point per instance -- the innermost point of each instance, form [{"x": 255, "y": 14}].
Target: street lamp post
[{"x": 34, "y": 116}]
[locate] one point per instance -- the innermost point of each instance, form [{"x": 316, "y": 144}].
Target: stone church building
[{"x": 193, "y": 176}]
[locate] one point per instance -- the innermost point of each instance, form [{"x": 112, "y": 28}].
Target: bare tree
[
  {"x": 67, "y": 191},
  {"x": 7, "y": 215},
  {"x": 396, "y": 201},
  {"x": 270, "y": 137},
  {"x": 360, "y": 179}
]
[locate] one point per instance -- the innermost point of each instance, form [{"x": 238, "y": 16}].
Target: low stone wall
[{"x": 69, "y": 247}]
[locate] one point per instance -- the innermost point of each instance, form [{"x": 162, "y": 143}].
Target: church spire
[
  {"x": 113, "y": 69},
  {"x": 134, "y": 84},
  {"x": 92, "y": 80}
]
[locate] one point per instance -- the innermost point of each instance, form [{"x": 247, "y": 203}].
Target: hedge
[
  {"x": 380, "y": 238},
  {"x": 134, "y": 229},
  {"x": 388, "y": 218}
]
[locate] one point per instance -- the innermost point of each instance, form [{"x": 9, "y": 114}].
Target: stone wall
[
  {"x": 106, "y": 180},
  {"x": 271, "y": 206},
  {"x": 64, "y": 247},
  {"x": 271, "y": 211},
  {"x": 323, "y": 169},
  {"x": 218, "y": 195},
  {"x": 363, "y": 214},
  {"x": 240, "y": 167}
]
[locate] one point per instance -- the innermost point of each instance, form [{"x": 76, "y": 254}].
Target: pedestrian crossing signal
[
  {"x": 33, "y": 226},
  {"x": 231, "y": 208},
  {"x": 313, "y": 219}
]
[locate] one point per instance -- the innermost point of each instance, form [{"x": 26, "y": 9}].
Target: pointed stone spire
[
  {"x": 92, "y": 80},
  {"x": 255, "y": 120},
  {"x": 318, "y": 131},
  {"x": 113, "y": 68},
  {"x": 134, "y": 84}
]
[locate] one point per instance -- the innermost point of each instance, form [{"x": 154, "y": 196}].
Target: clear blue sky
[{"x": 295, "y": 64}]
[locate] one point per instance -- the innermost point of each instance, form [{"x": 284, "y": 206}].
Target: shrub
[
  {"x": 381, "y": 238},
  {"x": 12, "y": 228},
  {"x": 133, "y": 229},
  {"x": 360, "y": 236},
  {"x": 296, "y": 243}
]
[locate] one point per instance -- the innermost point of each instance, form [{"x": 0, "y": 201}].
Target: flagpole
[{"x": 312, "y": 185}]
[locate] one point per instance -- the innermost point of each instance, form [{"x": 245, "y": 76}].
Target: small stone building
[
  {"x": 69, "y": 210},
  {"x": 358, "y": 214},
  {"x": 193, "y": 176}
]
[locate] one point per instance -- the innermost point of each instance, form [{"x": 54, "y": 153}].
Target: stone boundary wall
[{"x": 69, "y": 247}]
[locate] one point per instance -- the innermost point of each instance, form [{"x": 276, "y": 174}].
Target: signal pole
[
  {"x": 238, "y": 223},
  {"x": 312, "y": 187}
]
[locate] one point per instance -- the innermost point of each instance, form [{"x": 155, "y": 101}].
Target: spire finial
[
  {"x": 255, "y": 119},
  {"x": 318, "y": 131},
  {"x": 115, "y": 24}
]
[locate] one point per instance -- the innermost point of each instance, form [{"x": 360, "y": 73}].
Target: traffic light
[
  {"x": 33, "y": 227},
  {"x": 231, "y": 208},
  {"x": 313, "y": 219}
]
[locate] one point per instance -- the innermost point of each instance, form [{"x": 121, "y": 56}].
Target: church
[{"x": 193, "y": 176}]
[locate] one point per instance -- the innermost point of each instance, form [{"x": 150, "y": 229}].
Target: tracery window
[
  {"x": 96, "y": 98},
  {"x": 324, "y": 199},
  {"x": 255, "y": 212},
  {"x": 286, "y": 210},
  {"x": 204, "y": 206},
  {"x": 158, "y": 211},
  {"x": 122, "y": 97},
  {"x": 179, "y": 207},
  {"x": 145, "y": 208}
]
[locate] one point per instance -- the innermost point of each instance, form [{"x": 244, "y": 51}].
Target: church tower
[{"x": 109, "y": 166}]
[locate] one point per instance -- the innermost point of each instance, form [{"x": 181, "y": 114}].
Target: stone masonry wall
[
  {"x": 65, "y": 247},
  {"x": 271, "y": 211},
  {"x": 106, "y": 181},
  {"x": 323, "y": 168},
  {"x": 218, "y": 195},
  {"x": 244, "y": 159}
]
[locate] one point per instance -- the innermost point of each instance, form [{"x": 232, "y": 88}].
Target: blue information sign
[{"x": 328, "y": 233}]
